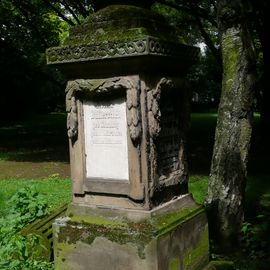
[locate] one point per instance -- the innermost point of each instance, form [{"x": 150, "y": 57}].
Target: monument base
[{"x": 174, "y": 241}]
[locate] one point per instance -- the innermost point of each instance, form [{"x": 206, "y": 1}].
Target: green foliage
[
  {"x": 27, "y": 28},
  {"x": 28, "y": 205},
  {"x": 255, "y": 235},
  {"x": 24, "y": 207},
  {"x": 57, "y": 191},
  {"x": 17, "y": 251},
  {"x": 205, "y": 78}
]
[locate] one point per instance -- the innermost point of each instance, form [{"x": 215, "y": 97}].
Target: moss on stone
[
  {"x": 196, "y": 254},
  {"x": 87, "y": 228},
  {"x": 100, "y": 36},
  {"x": 120, "y": 23},
  {"x": 168, "y": 222},
  {"x": 137, "y": 234},
  {"x": 97, "y": 220},
  {"x": 174, "y": 264},
  {"x": 63, "y": 249}
]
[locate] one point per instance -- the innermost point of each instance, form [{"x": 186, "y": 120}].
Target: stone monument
[{"x": 127, "y": 102}]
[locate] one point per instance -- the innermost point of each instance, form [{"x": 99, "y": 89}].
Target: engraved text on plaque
[{"x": 105, "y": 128}]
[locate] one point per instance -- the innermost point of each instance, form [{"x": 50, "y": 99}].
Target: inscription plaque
[{"x": 105, "y": 129}]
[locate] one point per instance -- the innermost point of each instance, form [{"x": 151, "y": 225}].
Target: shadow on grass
[
  {"x": 200, "y": 142},
  {"x": 257, "y": 187},
  {"x": 41, "y": 138}
]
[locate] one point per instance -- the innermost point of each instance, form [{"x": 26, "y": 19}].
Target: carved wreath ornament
[
  {"x": 94, "y": 87},
  {"x": 153, "y": 106}
]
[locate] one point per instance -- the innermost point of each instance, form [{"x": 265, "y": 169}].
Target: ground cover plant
[
  {"x": 17, "y": 251},
  {"x": 57, "y": 191},
  {"x": 22, "y": 202},
  {"x": 34, "y": 182}
]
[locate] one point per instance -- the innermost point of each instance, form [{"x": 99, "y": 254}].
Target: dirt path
[{"x": 33, "y": 170}]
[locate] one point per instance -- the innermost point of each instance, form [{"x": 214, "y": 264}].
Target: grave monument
[{"x": 127, "y": 101}]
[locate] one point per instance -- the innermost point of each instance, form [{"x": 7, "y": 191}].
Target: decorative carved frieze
[{"x": 145, "y": 46}]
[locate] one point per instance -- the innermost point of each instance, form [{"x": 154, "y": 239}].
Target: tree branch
[
  {"x": 59, "y": 13},
  {"x": 84, "y": 12},
  {"x": 24, "y": 12},
  {"x": 67, "y": 6},
  {"x": 198, "y": 12},
  {"x": 216, "y": 52}
]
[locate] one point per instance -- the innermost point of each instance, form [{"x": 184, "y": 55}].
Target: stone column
[{"x": 127, "y": 101}]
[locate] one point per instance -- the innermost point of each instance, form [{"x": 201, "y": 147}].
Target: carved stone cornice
[{"x": 108, "y": 50}]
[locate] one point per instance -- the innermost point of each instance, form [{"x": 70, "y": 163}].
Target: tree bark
[{"x": 225, "y": 198}]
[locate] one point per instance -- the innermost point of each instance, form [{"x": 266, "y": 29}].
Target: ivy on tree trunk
[{"x": 225, "y": 198}]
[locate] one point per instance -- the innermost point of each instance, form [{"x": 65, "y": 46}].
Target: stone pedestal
[
  {"x": 176, "y": 240},
  {"x": 127, "y": 100}
]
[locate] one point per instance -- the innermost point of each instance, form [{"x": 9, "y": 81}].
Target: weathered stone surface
[{"x": 178, "y": 239}]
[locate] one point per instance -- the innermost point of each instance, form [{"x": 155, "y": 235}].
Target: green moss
[
  {"x": 174, "y": 264},
  {"x": 231, "y": 56},
  {"x": 138, "y": 234},
  {"x": 196, "y": 255},
  {"x": 120, "y": 23},
  {"x": 63, "y": 250},
  {"x": 87, "y": 228},
  {"x": 110, "y": 35},
  {"x": 97, "y": 220},
  {"x": 166, "y": 223},
  {"x": 231, "y": 53}
]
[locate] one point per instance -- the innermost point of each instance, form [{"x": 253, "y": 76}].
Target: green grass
[
  {"x": 198, "y": 185},
  {"x": 57, "y": 191},
  {"x": 257, "y": 187}
]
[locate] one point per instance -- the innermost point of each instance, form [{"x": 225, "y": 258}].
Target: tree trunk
[{"x": 225, "y": 198}]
